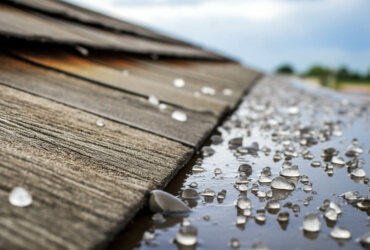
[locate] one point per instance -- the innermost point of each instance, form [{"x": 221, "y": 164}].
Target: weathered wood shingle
[{"x": 86, "y": 181}]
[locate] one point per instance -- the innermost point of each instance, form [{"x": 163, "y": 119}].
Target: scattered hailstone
[
  {"x": 311, "y": 222},
  {"x": 350, "y": 196},
  {"x": 164, "y": 202},
  {"x": 227, "y": 92},
  {"x": 153, "y": 100},
  {"x": 338, "y": 161},
  {"x": 100, "y": 123},
  {"x": 341, "y": 233},
  {"x": 162, "y": 106},
  {"x": 282, "y": 183},
  {"x": 187, "y": 236},
  {"x": 331, "y": 214},
  {"x": 189, "y": 194},
  {"x": 359, "y": 173},
  {"x": 179, "y": 116},
  {"x": 19, "y": 197},
  {"x": 208, "y": 90},
  {"x": 234, "y": 243},
  {"x": 179, "y": 82}
]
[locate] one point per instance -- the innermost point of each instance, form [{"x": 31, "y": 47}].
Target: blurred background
[{"x": 325, "y": 41}]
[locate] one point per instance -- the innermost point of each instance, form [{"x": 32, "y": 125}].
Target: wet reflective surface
[{"x": 279, "y": 164}]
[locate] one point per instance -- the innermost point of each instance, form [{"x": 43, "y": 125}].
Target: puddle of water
[{"x": 287, "y": 120}]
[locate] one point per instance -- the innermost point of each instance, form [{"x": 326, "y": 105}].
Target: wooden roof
[{"x": 61, "y": 69}]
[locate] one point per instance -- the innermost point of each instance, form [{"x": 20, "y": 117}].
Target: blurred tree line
[{"x": 327, "y": 75}]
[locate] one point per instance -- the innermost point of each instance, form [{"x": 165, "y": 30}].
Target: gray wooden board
[
  {"x": 86, "y": 69},
  {"x": 20, "y": 24},
  {"x": 72, "y": 12},
  {"x": 87, "y": 181},
  {"x": 218, "y": 80},
  {"x": 107, "y": 102},
  {"x": 167, "y": 78}
]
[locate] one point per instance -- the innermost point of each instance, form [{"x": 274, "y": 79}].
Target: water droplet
[
  {"x": 179, "y": 82},
  {"x": 273, "y": 205},
  {"x": 208, "y": 151},
  {"x": 158, "y": 218},
  {"x": 365, "y": 240},
  {"x": 338, "y": 161},
  {"x": 198, "y": 169},
  {"x": 193, "y": 184},
  {"x": 282, "y": 183},
  {"x": 206, "y": 90},
  {"x": 246, "y": 168},
  {"x": 161, "y": 201},
  {"x": 189, "y": 194},
  {"x": 235, "y": 142},
  {"x": 243, "y": 203},
  {"x": 241, "y": 220},
  {"x": 100, "y": 123},
  {"x": 316, "y": 164},
  {"x": 307, "y": 187},
  {"x": 208, "y": 193},
  {"x": 359, "y": 173},
  {"x": 179, "y": 116},
  {"x": 153, "y": 100},
  {"x": 83, "y": 51},
  {"x": 296, "y": 208},
  {"x": 331, "y": 214},
  {"x": 234, "y": 243},
  {"x": 292, "y": 171},
  {"x": 293, "y": 110},
  {"x": 247, "y": 212},
  {"x": 340, "y": 233},
  {"x": 187, "y": 236},
  {"x": 283, "y": 216},
  {"x": 217, "y": 171},
  {"x": 221, "y": 195},
  {"x": 261, "y": 194},
  {"x": 311, "y": 222},
  {"x": 260, "y": 215},
  {"x": 264, "y": 179},
  {"x": 19, "y": 197},
  {"x": 243, "y": 188},
  {"x": 351, "y": 196}
]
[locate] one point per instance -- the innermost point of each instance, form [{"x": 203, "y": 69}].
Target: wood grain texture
[
  {"x": 107, "y": 102},
  {"x": 133, "y": 83},
  {"x": 27, "y": 25},
  {"x": 71, "y": 12},
  {"x": 86, "y": 181}
]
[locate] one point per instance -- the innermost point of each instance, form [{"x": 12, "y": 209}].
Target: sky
[{"x": 259, "y": 33}]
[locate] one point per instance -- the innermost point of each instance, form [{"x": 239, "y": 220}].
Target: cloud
[{"x": 262, "y": 33}]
